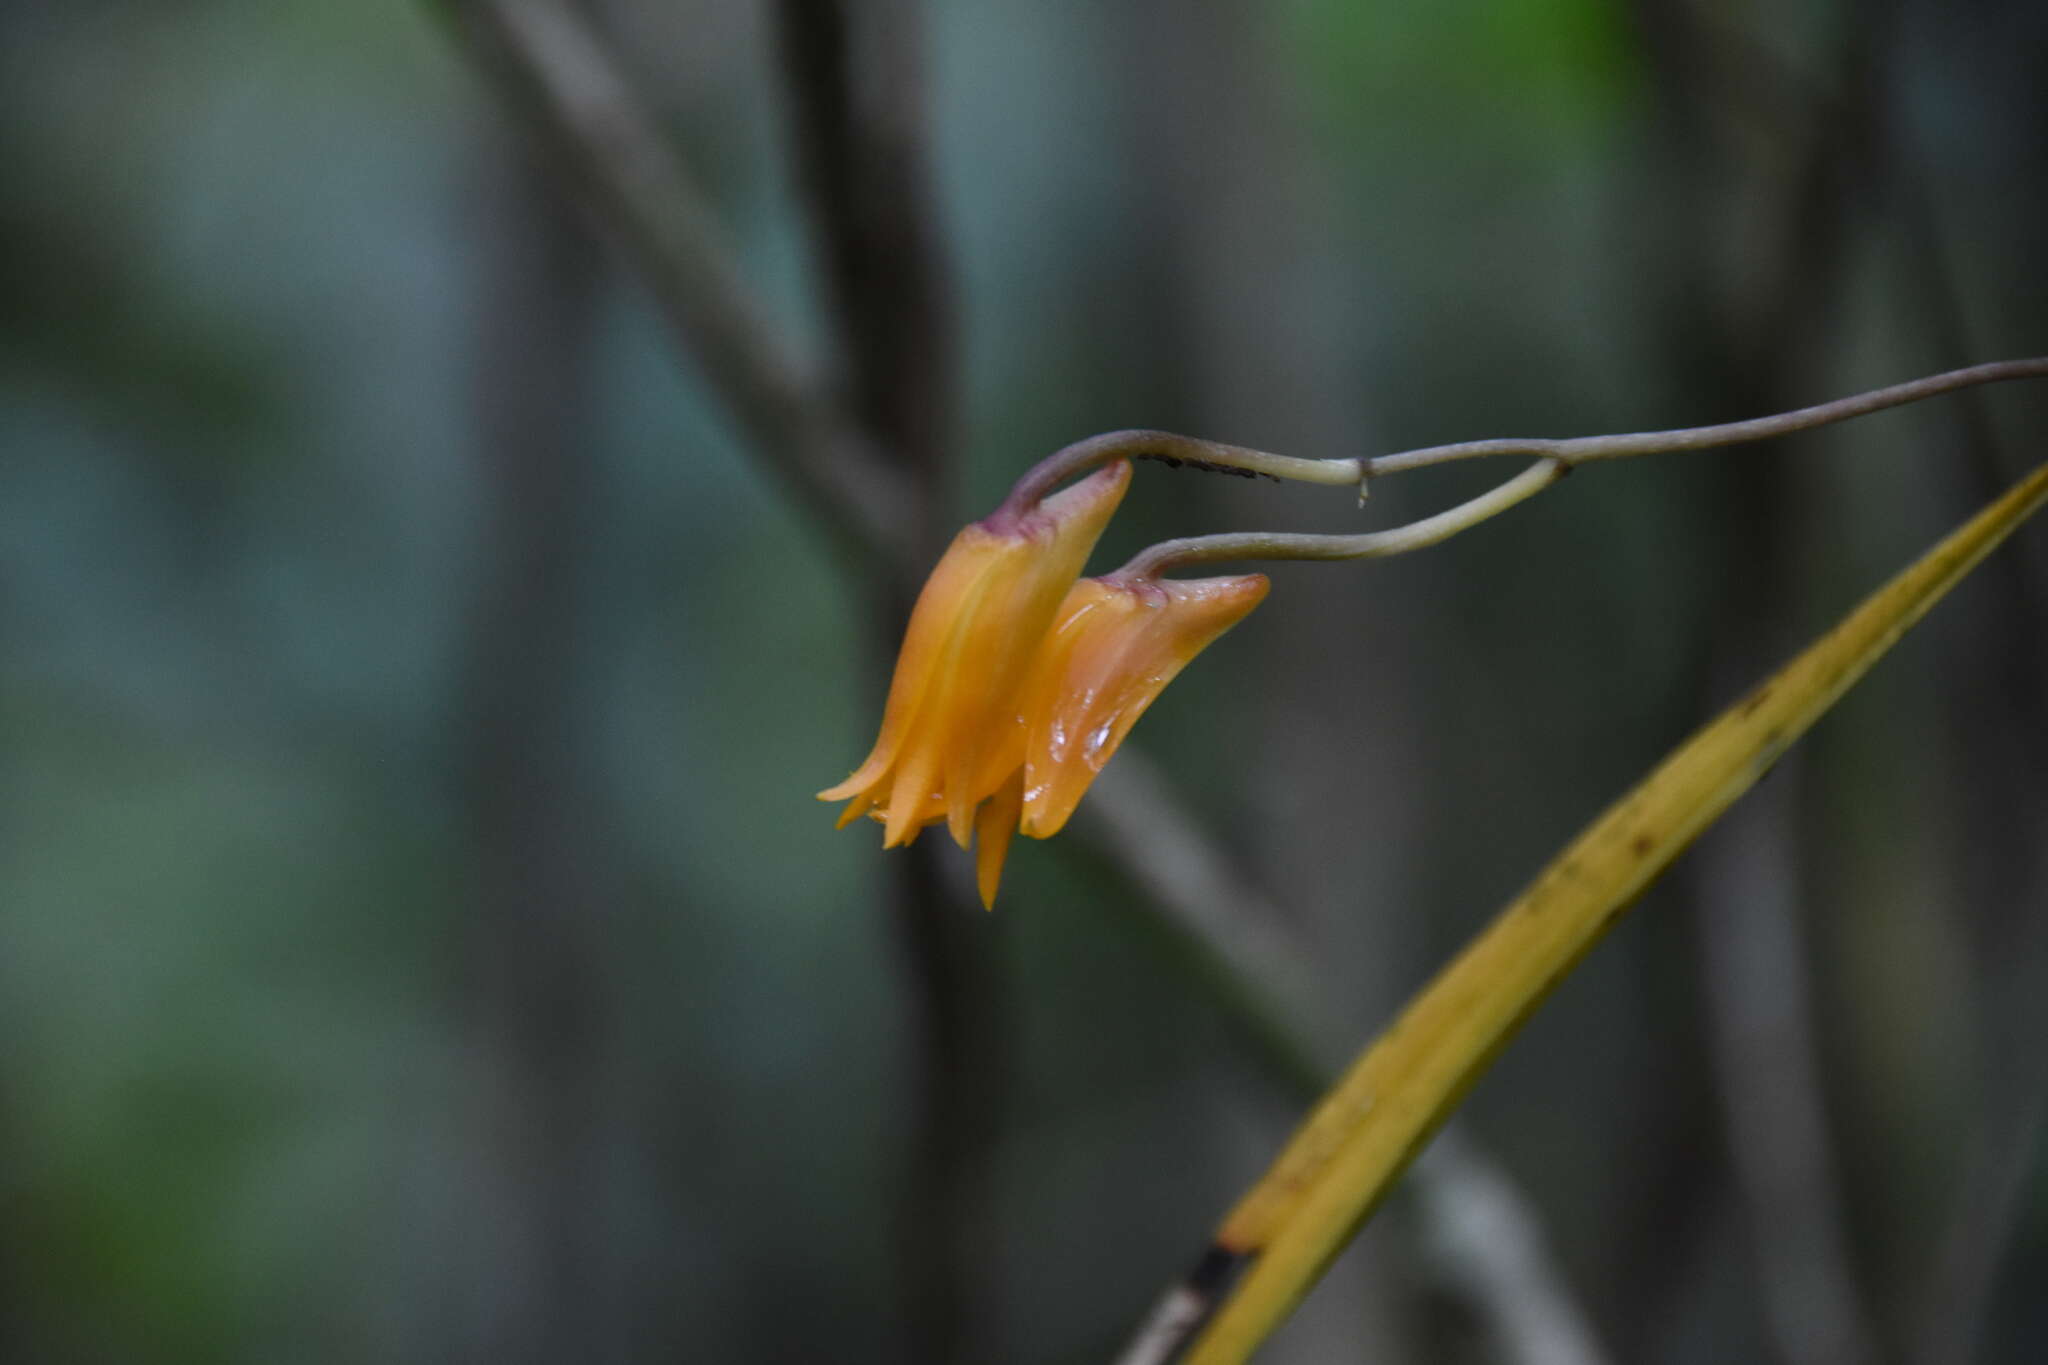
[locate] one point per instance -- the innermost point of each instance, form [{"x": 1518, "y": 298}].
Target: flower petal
[
  {"x": 1112, "y": 651},
  {"x": 954, "y": 586},
  {"x": 953, "y": 740},
  {"x": 952, "y": 730},
  {"x": 994, "y": 827}
]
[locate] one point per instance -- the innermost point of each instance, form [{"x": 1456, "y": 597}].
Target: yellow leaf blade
[{"x": 1343, "y": 1158}]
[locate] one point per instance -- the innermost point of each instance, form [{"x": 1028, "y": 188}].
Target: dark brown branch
[
  {"x": 855, "y": 82},
  {"x": 543, "y": 59},
  {"x": 852, "y": 79}
]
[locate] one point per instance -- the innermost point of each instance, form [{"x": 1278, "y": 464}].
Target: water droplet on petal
[{"x": 1098, "y": 740}]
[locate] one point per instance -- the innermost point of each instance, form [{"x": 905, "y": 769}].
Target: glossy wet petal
[
  {"x": 1112, "y": 649},
  {"x": 953, "y": 733},
  {"x": 994, "y": 827}
]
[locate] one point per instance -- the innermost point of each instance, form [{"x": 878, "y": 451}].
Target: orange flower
[
  {"x": 1113, "y": 648},
  {"x": 1016, "y": 682},
  {"x": 952, "y": 734}
]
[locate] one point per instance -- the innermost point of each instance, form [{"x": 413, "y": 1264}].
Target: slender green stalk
[
  {"x": 1096, "y": 451},
  {"x": 1579, "y": 450},
  {"x": 1557, "y": 458},
  {"x": 1416, "y": 535}
]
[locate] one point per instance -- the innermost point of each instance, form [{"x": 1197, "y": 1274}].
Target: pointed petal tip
[
  {"x": 1091, "y": 499},
  {"x": 988, "y": 876},
  {"x": 1232, "y": 596},
  {"x": 858, "y": 781},
  {"x": 960, "y": 803},
  {"x": 994, "y": 826},
  {"x": 1047, "y": 817}
]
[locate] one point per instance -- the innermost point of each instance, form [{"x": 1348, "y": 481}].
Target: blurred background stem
[
  {"x": 1755, "y": 340},
  {"x": 853, "y": 77},
  {"x": 552, "y": 71},
  {"x": 1484, "y": 1239},
  {"x": 534, "y": 953}
]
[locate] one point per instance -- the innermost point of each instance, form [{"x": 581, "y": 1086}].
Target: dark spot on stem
[
  {"x": 1214, "y": 1272},
  {"x": 1176, "y": 462}
]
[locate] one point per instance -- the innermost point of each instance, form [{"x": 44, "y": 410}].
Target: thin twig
[
  {"x": 1556, "y": 458},
  {"x": 542, "y": 57},
  {"x": 1582, "y": 449},
  {"x": 1489, "y": 1241},
  {"x": 1088, "y": 454},
  {"x": 855, "y": 80},
  {"x": 1416, "y": 535},
  {"x": 1754, "y": 972},
  {"x": 1139, "y": 444},
  {"x": 1224, "y": 925}
]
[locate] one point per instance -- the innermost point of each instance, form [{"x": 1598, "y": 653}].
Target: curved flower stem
[
  {"x": 1556, "y": 458},
  {"x": 1559, "y": 455},
  {"x": 1580, "y": 449},
  {"x": 1082, "y": 456},
  {"x": 1416, "y": 535}
]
